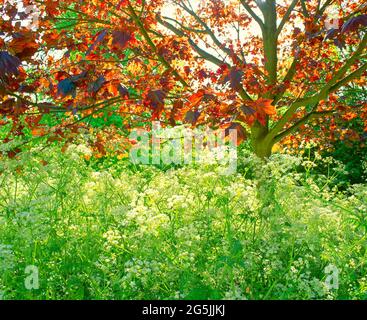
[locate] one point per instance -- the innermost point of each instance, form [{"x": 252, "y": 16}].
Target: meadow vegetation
[{"x": 109, "y": 229}]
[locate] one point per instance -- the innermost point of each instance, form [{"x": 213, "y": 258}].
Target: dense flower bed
[{"x": 120, "y": 231}]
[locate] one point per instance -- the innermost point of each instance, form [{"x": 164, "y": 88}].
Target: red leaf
[
  {"x": 23, "y": 45},
  {"x": 265, "y": 106},
  {"x": 67, "y": 86},
  {"x": 247, "y": 110},
  {"x": 196, "y": 98},
  {"x": 192, "y": 117},
  {"x": 259, "y": 110},
  {"x": 9, "y": 65},
  {"x": 155, "y": 100},
  {"x": 124, "y": 92},
  {"x": 99, "y": 39},
  {"x": 95, "y": 86},
  {"x": 234, "y": 77},
  {"x": 38, "y": 131},
  {"x": 120, "y": 39}
]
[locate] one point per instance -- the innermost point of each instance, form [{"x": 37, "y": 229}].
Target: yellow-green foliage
[{"x": 125, "y": 232}]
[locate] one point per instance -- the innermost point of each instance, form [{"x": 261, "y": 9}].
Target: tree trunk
[
  {"x": 262, "y": 142},
  {"x": 261, "y": 146},
  {"x": 262, "y": 150}
]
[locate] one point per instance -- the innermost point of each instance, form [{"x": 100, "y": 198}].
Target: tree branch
[
  {"x": 357, "y": 73},
  {"x": 286, "y": 17},
  {"x": 331, "y": 86},
  {"x": 299, "y": 123},
  {"x": 153, "y": 46},
  {"x": 304, "y": 9},
  {"x": 211, "y": 34},
  {"x": 253, "y": 14},
  {"x": 202, "y": 53},
  {"x": 321, "y": 10},
  {"x": 288, "y": 77}
]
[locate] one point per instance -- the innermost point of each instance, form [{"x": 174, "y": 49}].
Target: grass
[{"x": 115, "y": 231}]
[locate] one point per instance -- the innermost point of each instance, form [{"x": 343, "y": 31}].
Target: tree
[
  {"x": 294, "y": 62},
  {"x": 264, "y": 67}
]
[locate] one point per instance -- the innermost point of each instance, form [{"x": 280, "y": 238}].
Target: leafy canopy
[{"x": 264, "y": 67}]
